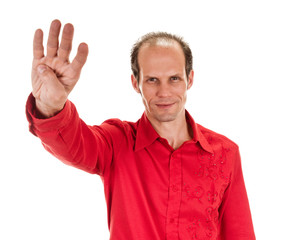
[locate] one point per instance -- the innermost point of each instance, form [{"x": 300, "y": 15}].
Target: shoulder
[
  {"x": 116, "y": 128},
  {"x": 215, "y": 138},
  {"x": 225, "y": 150}
]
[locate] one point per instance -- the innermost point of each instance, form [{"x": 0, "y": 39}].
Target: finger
[
  {"x": 66, "y": 42},
  {"x": 53, "y": 38},
  {"x": 81, "y": 57},
  {"x": 38, "y": 48}
]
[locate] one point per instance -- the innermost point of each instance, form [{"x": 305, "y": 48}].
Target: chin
[{"x": 165, "y": 117}]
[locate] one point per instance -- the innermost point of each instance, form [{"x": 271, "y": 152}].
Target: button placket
[{"x": 175, "y": 182}]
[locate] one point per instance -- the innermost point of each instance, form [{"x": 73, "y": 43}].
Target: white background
[{"x": 250, "y": 62}]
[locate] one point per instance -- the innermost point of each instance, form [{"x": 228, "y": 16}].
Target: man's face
[{"x": 163, "y": 83}]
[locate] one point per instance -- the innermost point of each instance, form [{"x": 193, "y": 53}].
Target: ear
[
  {"x": 190, "y": 79},
  {"x": 135, "y": 83}
]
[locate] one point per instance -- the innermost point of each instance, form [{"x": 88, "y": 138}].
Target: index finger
[{"x": 38, "y": 48}]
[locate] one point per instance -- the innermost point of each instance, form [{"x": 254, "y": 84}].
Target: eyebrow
[
  {"x": 171, "y": 75},
  {"x": 149, "y": 76}
]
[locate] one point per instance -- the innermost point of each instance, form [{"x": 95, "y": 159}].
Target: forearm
[{"x": 66, "y": 136}]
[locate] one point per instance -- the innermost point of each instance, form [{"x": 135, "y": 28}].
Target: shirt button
[{"x": 174, "y": 188}]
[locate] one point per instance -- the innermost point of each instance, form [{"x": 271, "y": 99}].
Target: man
[{"x": 165, "y": 177}]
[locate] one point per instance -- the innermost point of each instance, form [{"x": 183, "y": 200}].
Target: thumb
[
  {"x": 48, "y": 76},
  {"x": 50, "y": 84},
  {"x": 44, "y": 70},
  {"x": 49, "y": 92}
]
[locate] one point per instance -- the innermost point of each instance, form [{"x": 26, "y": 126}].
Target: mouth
[{"x": 164, "y": 105}]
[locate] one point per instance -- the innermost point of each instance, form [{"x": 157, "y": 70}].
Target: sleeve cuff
[{"x": 37, "y": 124}]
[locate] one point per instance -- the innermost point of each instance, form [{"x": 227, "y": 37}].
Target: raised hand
[{"x": 53, "y": 76}]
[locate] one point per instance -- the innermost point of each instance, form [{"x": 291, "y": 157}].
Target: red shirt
[{"x": 153, "y": 191}]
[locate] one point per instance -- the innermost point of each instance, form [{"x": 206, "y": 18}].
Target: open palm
[{"x": 53, "y": 75}]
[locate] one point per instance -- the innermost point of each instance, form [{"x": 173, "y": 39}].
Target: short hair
[{"x": 153, "y": 38}]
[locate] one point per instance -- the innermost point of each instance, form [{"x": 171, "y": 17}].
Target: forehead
[{"x": 161, "y": 51}]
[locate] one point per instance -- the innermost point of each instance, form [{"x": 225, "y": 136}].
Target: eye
[
  {"x": 152, "y": 79},
  {"x": 174, "y": 78}
]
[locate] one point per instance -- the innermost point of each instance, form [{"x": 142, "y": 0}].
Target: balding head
[{"x": 160, "y": 39}]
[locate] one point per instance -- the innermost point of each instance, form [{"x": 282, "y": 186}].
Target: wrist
[{"x": 45, "y": 111}]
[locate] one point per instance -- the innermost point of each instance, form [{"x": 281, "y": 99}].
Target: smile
[{"x": 164, "y": 105}]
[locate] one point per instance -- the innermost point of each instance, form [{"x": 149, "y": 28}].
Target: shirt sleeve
[
  {"x": 236, "y": 221},
  {"x": 68, "y": 138}
]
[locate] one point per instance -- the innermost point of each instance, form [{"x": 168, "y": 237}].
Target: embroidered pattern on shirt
[
  {"x": 193, "y": 193},
  {"x": 213, "y": 169}
]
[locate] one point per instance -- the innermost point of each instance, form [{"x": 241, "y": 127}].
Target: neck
[{"x": 176, "y": 132}]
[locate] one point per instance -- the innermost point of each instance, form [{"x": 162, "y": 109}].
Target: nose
[{"x": 164, "y": 89}]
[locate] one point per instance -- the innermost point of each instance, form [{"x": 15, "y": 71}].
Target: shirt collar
[
  {"x": 198, "y": 135},
  {"x": 146, "y": 134}
]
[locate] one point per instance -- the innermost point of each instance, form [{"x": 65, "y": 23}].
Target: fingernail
[{"x": 41, "y": 68}]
